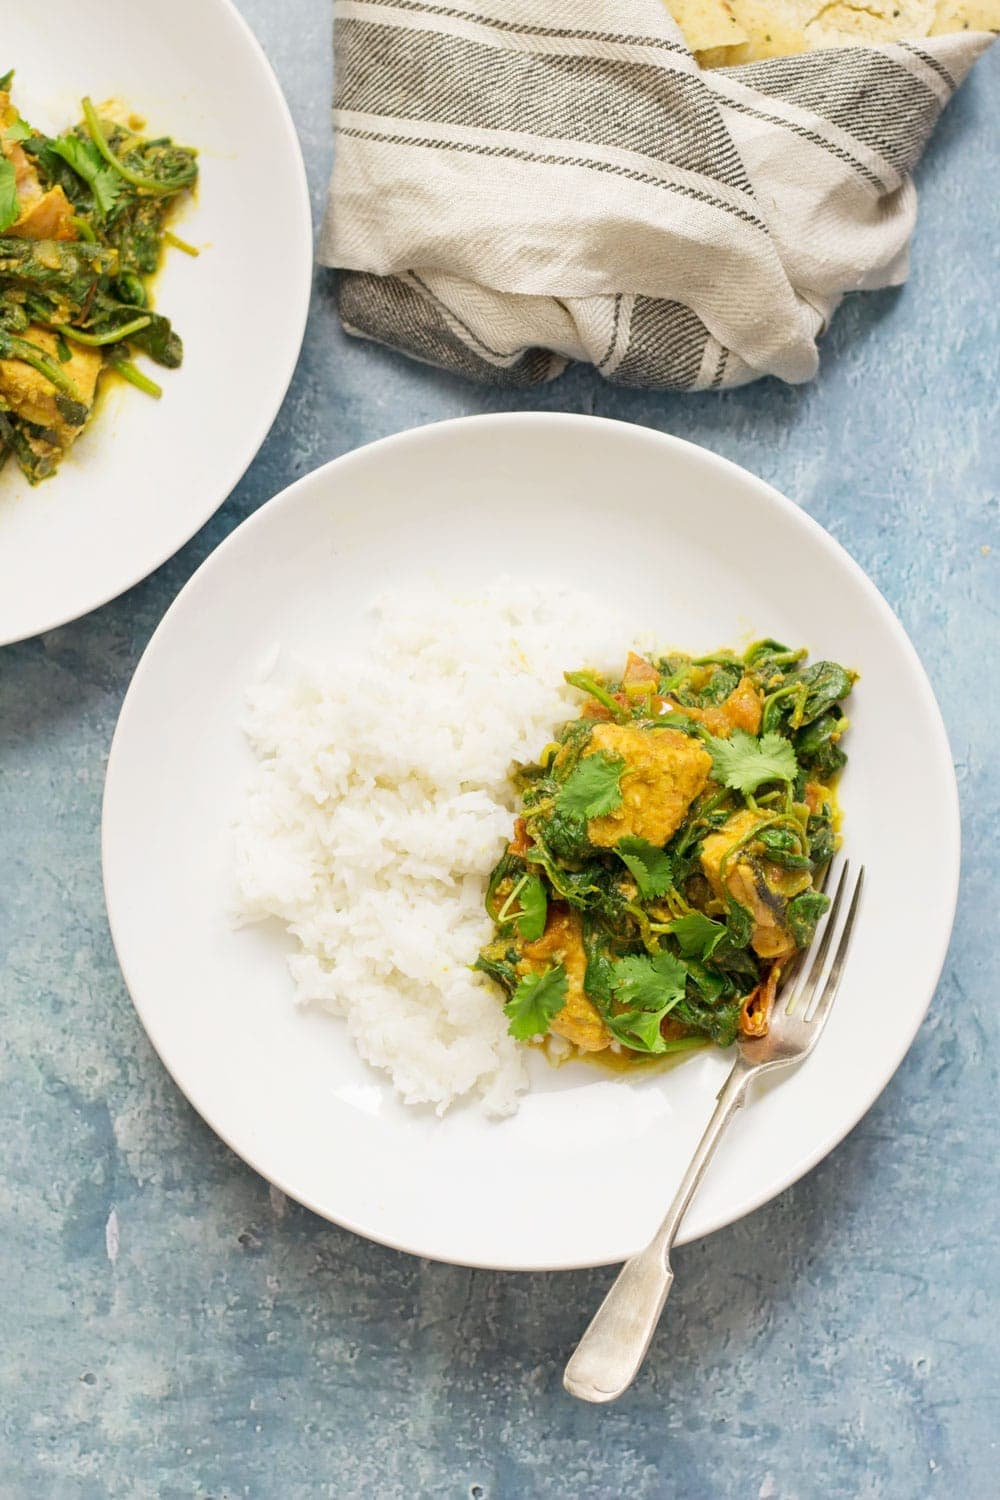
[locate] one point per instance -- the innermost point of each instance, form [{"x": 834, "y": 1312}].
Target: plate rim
[
  {"x": 771, "y": 495},
  {"x": 301, "y": 275}
]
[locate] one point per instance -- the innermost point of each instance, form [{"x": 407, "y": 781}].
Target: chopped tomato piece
[
  {"x": 520, "y": 843},
  {"x": 639, "y": 671}
]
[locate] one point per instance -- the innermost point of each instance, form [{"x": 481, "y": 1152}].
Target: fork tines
[{"x": 814, "y": 1000}]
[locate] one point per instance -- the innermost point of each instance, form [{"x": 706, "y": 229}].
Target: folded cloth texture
[{"x": 518, "y": 185}]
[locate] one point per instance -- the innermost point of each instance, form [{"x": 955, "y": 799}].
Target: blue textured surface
[{"x": 172, "y": 1329}]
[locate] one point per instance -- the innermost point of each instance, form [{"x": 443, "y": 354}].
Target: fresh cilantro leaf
[
  {"x": 88, "y": 163},
  {"x": 593, "y": 786},
  {"x": 745, "y": 763},
  {"x": 537, "y": 1000},
  {"x": 9, "y": 208},
  {"x": 526, "y": 905},
  {"x": 640, "y": 1030},
  {"x": 534, "y": 907},
  {"x": 649, "y": 987},
  {"x": 646, "y": 983},
  {"x": 17, "y": 130},
  {"x": 697, "y": 935},
  {"x": 649, "y": 866}
]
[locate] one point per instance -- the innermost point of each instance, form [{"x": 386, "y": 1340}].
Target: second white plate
[
  {"x": 146, "y": 474},
  {"x": 701, "y": 552}
]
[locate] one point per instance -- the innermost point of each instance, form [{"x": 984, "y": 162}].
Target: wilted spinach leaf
[{"x": 803, "y": 913}]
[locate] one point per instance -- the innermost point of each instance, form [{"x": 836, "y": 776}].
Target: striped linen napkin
[{"x": 519, "y": 184}]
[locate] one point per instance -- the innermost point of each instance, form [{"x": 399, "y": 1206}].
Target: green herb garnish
[
  {"x": 745, "y": 763},
  {"x": 697, "y": 936},
  {"x": 87, "y": 163},
  {"x": 650, "y": 983},
  {"x": 649, "y": 866},
  {"x": 593, "y": 787},
  {"x": 536, "y": 1002}
]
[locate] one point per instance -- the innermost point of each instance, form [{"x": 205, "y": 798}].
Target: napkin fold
[{"x": 518, "y": 185}]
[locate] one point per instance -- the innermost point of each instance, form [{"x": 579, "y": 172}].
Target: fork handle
[{"x": 608, "y": 1357}]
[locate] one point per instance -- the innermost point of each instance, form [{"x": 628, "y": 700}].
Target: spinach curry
[
  {"x": 662, "y": 873},
  {"x": 83, "y": 220}
]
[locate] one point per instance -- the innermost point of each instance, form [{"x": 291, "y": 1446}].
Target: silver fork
[{"x": 608, "y": 1357}]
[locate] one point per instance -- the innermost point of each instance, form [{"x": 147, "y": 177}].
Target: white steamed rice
[{"x": 381, "y": 801}]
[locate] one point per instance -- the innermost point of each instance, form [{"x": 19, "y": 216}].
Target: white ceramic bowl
[
  {"x": 146, "y": 474},
  {"x": 696, "y": 548}
]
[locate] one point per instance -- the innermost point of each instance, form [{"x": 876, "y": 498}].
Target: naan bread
[
  {"x": 723, "y": 33},
  {"x": 707, "y": 23},
  {"x": 770, "y": 28},
  {"x": 966, "y": 15}
]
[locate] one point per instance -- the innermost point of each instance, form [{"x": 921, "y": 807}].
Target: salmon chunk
[
  {"x": 30, "y": 395},
  {"x": 762, "y": 887},
  {"x": 665, "y": 771},
  {"x": 41, "y": 215},
  {"x": 562, "y": 942},
  {"x": 49, "y": 217}
]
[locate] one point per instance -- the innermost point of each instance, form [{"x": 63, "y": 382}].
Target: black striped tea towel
[{"x": 520, "y": 184}]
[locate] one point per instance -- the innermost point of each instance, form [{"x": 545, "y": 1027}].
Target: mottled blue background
[{"x": 171, "y": 1328}]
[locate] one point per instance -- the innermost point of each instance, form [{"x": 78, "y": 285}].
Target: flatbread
[
  {"x": 843, "y": 23},
  {"x": 707, "y": 23},
  {"x": 771, "y": 31},
  {"x": 965, "y": 15},
  {"x": 723, "y": 33}
]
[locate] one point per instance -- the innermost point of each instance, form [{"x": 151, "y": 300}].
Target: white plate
[
  {"x": 147, "y": 474},
  {"x": 697, "y": 548}
]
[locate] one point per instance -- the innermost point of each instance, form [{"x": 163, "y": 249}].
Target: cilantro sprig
[
  {"x": 86, "y": 161},
  {"x": 650, "y": 867},
  {"x": 593, "y": 787},
  {"x": 650, "y": 982},
  {"x": 536, "y": 1002},
  {"x": 746, "y": 763},
  {"x": 527, "y": 907},
  {"x": 649, "y": 987},
  {"x": 697, "y": 936},
  {"x": 534, "y": 908},
  {"x": 640, "y": 1030}
]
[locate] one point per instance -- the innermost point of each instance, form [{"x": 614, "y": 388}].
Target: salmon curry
[
  {"x": 663, "y": 869},
  {"x": 83, "y": 224}
]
